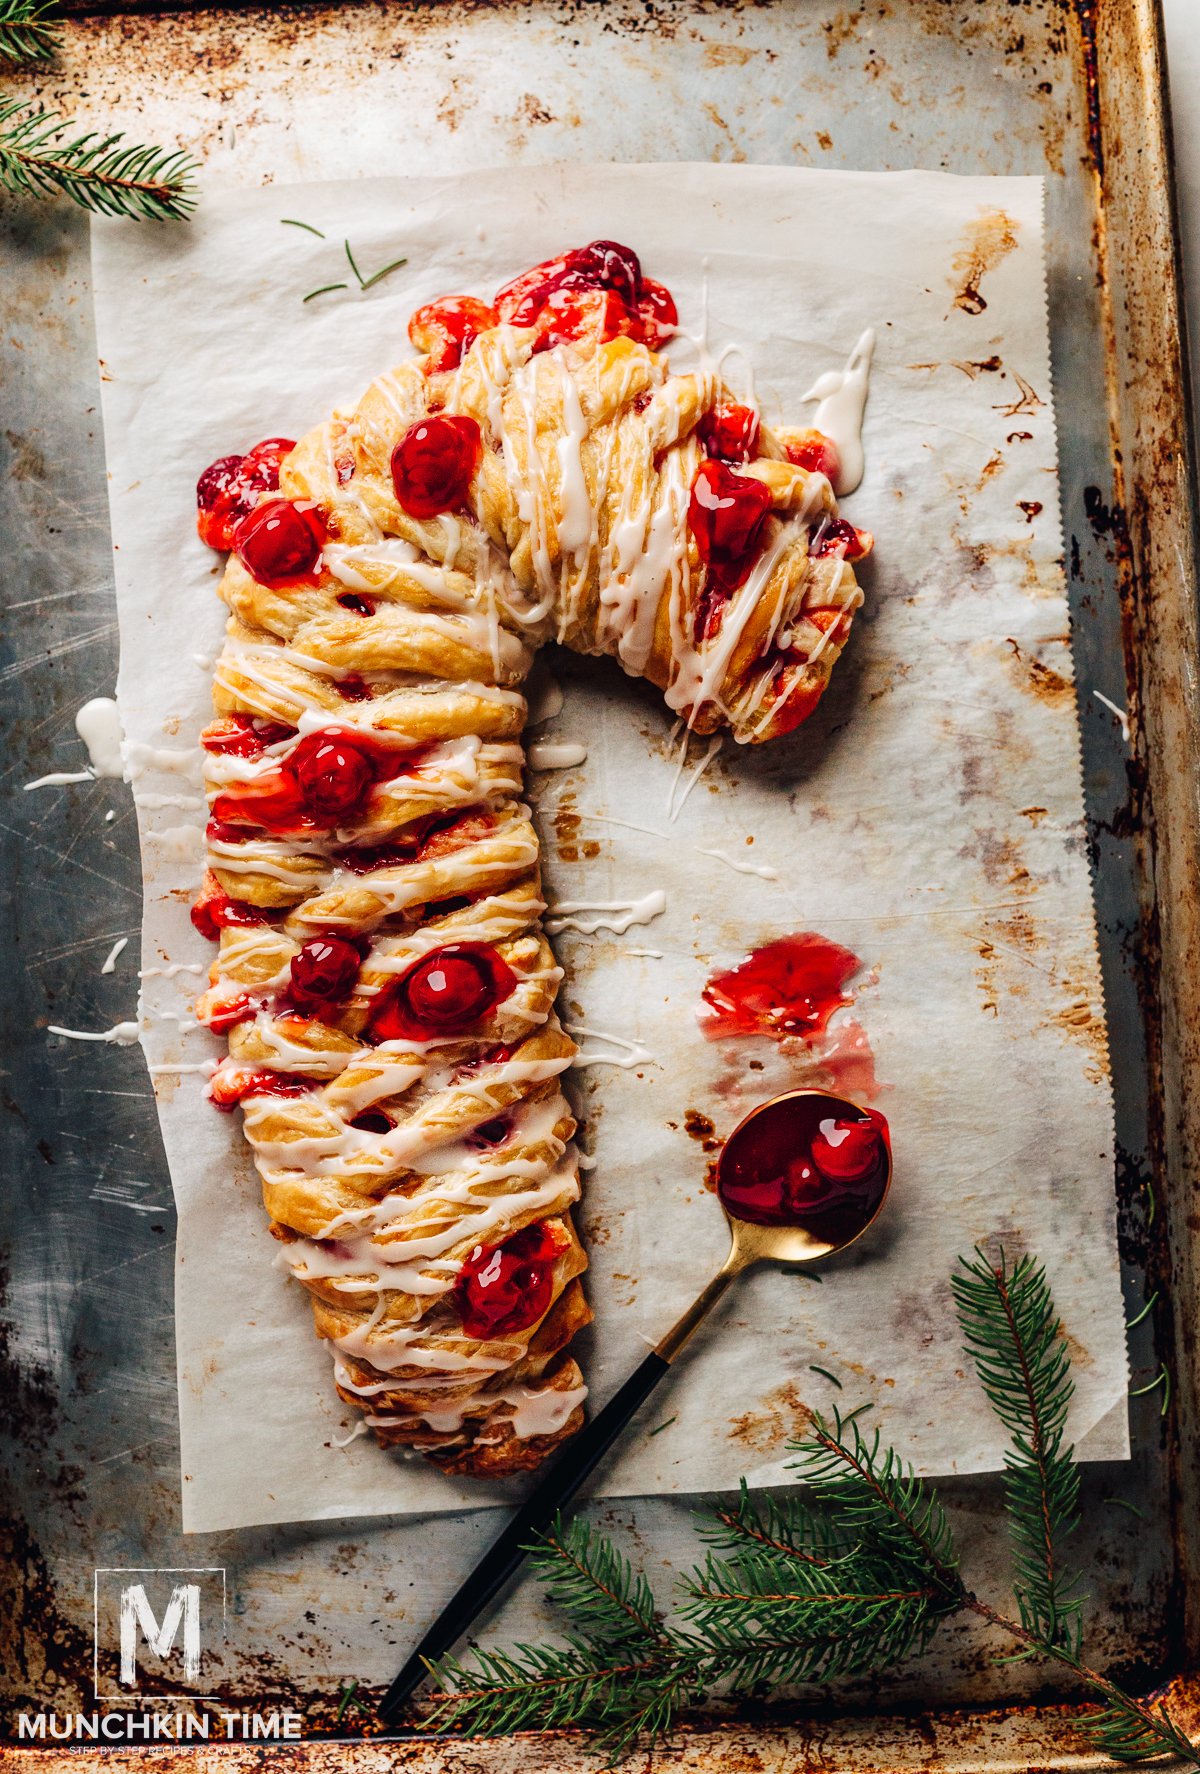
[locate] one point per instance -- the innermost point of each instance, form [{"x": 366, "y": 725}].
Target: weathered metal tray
[{"x": 1073, "y": 89}]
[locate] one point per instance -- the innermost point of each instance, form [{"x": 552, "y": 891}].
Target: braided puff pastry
[{"x": 373, "y": 881}]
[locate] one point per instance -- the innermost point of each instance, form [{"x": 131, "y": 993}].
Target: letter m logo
[
  {"x": 159, "y": 1633},
  {"x": 138, "y": 1616}
]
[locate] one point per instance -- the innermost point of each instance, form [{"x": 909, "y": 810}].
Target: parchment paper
[{"x": 929, "y": 816}]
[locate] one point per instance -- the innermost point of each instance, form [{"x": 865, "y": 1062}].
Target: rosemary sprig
[
  {"x": 28, "y": 32},
  {"x": 853, "y": 1571},
  {"x": 101, "y": 173}
]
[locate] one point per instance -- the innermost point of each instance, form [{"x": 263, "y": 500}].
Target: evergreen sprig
[
  {"x": 27, "y": 31},
  {"x": 1014, "y": 1337},
  {"x": 102, "y": 173},
  {"x": 851, "y": 1572}
]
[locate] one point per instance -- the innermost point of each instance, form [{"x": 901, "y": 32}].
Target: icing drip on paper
[{"x": 842, "y": 395}]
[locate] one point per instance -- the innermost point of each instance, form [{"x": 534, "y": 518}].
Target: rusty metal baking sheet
[{"x": 978, "y": 87}]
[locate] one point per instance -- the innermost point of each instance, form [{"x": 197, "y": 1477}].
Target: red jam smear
[
  {"x": 228, "y": 1087},
  {"x": 809, "y": 1161},
  {"x": 790, "y": 987},
  {"x": 279, "y": 543},
  {"x": 434, "y": 464},
  {"x": 542, "y": 297},
  {"x": 446, "y": 329},
  {"x": 322, "y": 972},
  {"x": 445, "y": 993},
  {"x": 324, "y": 781},
  {"x": 231, "y": 487},
  {"x": 730, "y": 433},
  {"x": 726, "y": 514},
  {"x": 505, "y": 1288},
  {"x": 213, "y": 910}
]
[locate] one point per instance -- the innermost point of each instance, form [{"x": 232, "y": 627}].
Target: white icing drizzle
[
  {"x": 763, "y": 870},
  {"x": 170, "y": 972},
  {"x": 629, "y": 1053},
  {"x": 98, "y": 724},
  {"x": 57, "y": 778},
  {"x": 547, "y": 754},
  {"x": 118, "y": 949},
  {"x": 842, "y": 395},
  {"x": 1121, "y": 716},
  {"x": 677, "y": 796},
  {"x": 617, "y": 915},
  {"x": 120, "y": 1035}
]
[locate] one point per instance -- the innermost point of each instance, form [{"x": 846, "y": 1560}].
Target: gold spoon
[{"x": 784, "y": 1128}]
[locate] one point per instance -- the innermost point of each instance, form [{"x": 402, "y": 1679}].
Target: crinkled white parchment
[{"x": 929, "y": 816}]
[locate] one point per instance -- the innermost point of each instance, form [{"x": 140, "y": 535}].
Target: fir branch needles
[
  {"x": 100, "y": 173},
  {"x": 27, "y": 31},
  {"x": 847, "y": 1575}
]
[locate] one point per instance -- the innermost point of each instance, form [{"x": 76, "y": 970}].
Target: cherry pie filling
[
  {"x": 797, "y": 1164},
  {"x": 505, "y": 1288},
  {"x": 434, "y": 464},
  {"x": 323, "y": 781},
  {"x": 231, "y": 487},
  {"x": 443, "y": 995}
]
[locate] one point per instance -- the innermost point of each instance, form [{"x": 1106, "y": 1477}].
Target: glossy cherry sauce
[
  {"x": 323, "y": 781},
  {"x": 231, "y": 487},
  {"x": 809, "y": 1161},
  {"x": 790, "y": 987},
  {"x": 434, "y": 464},
  {"x": 504, "y": 1288},
  {"x": 443, "y": 994}
]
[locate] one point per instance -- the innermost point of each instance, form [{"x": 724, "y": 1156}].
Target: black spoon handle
[{"x": 582, "y": 1453}]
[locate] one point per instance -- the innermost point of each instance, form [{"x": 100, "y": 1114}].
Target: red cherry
[
  {"x": 446, "y": 330},
  {"x": 842, "y": 539},
  {"x": 214, "y": 910},
  {"x": 219, "y": 492},
  {"x": 608, "y": 265},
  {"x": 817, "y": 453},
  {"x": 845, "y": 1151},
  {"x": 659, "y": 316},
  {"x": 505, "y": 1288},
  {"x": 361, "y": 606},
  {"x": 726, "y": 514},
  {"x": 323, "y": 971},
  {"x": 230, "y": 1085},
  {"x": 730, "y": 433},
  {"x": 332, "y": 773},
  {"x": 230, "y": 488},
  {"x": 572, "y": 314},
  {"x": 434, "y": 463},
  {"x": 443, "y": 994},
  {"x": 243, "y": 736},
  {"x": 769, "y": 1172},
  {"x": 278, "y": 542}
]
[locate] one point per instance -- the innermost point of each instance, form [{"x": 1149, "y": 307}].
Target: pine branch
[
  {"x": 851, "y": 1573},
  {"x": 596, "y": 1588},
  {"x": 877, "y": 1498},
  {"x": 100, "y": 173},
  {"x": 27, "y": 33},
  {"x": 1013, "y": 1335}
]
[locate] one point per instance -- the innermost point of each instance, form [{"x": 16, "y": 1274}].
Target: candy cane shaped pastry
[{"x": 373, "y": 880}]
